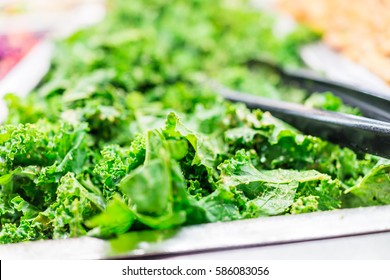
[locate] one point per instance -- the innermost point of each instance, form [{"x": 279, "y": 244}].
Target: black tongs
[
  {"x": 358, "y": 133},
  {"x": 372, "y": 104}
]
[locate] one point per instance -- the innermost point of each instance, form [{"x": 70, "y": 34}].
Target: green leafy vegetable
[{"x": 120, "y": 136}]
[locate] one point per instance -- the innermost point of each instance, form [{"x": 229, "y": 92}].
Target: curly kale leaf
[
  {"x": 35, "y": 160},
  {"x": 373, "y": 189},
  {"x": 155, "y": 190},
  {"x": 271, "y": 192},
  {"x": 116, "y": 162},
  {"x": 74, "y": 204}
]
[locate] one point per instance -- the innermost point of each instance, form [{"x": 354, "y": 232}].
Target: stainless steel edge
[
  {"x": 271, "y": 230},
  {"x": 217, "y": 236}
]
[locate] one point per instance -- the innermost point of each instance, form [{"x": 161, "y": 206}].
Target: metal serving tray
[{"x": 242, "y": 234}]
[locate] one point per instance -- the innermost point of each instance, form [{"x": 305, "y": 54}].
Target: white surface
[{"x": 196, "y": 269}]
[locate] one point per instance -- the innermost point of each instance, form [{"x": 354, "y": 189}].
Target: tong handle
[
  {"x": 371, "y": 104},
  {"x": 358, "y": 133}
]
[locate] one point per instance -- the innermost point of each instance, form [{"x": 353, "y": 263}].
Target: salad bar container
[{"x": 366, "y": 132}]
